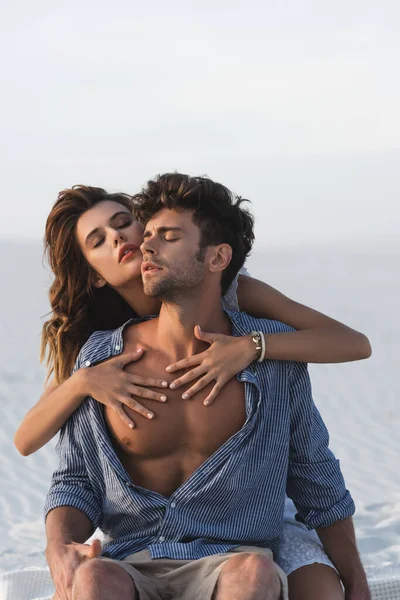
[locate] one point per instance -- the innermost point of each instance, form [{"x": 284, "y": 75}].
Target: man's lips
[
  {"x": 126, "y": 252},
  {"x": 148, "y": 267}
]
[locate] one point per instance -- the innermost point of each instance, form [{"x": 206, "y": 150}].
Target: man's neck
[{"x": 175, "y": 326}]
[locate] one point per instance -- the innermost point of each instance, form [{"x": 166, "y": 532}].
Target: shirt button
[
  {"x": 173, "y": 504},
  {"x": 161, "y": 538},
  {"x": 87, "y": 363},
  {"x": 118, "y": 347}
]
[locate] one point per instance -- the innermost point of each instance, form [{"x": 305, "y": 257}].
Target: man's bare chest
[{"x": 178, "y": 424}]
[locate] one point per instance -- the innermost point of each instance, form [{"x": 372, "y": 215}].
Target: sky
[{"x": 292, "y": 104}]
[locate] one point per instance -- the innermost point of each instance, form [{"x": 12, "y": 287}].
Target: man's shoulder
[
  {"x": 102, "y": 344},
  {"x": 97, "y": 345},
  {"x": 247, "y": 323}
]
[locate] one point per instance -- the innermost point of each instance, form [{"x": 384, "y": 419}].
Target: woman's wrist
[
  {"x": 251, "y": 348},
  {"x": 80, "y": 381},
  {"x": 258, "y": 339}
]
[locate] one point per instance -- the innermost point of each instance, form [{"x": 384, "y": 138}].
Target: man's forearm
[
  {"x": 66, "y": 524},
  {"x": 340, "y": 545}
]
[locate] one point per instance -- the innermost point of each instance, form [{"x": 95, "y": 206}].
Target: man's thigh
[
  {"x": 198, "y": 579},
  {"x": 162, "y": 579}
]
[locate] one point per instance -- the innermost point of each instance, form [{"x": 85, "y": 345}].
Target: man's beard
[{"x": 186, "y": 277}]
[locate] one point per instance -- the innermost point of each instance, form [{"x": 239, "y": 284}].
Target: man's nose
[{"x": 147, "y": 247}]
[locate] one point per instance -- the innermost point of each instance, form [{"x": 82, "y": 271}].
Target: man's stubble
[{"x": 180, "y": 282}]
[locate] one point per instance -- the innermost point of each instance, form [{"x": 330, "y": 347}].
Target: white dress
[{"x": 300, "y": 547}]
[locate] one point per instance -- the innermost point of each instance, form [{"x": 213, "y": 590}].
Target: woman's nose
[{"x": 118, "y": 238}]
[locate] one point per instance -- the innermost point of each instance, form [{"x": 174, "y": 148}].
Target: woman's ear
[
  {"x": 221, "y": 257},
  {"x": 98, "y": 281}
]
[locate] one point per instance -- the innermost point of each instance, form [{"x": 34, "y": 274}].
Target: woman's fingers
[
  {"x": 136, "y": 406},
  {"x": 119, "y": 409},
  {"x": 146, "y": 381},
  {"x": 188, "y": 377},
  {"x": 199, "y": 385},
  {"x": 185, "y": 363},
  {"x": 213, "y": 394},
  {"x": 135, "y": 390},
  {"x": 210, "y": 338},
  {"x": 124, "y": 359}
]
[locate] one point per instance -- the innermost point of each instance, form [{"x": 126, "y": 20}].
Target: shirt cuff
[
  {"x": 313, "y": 519},
  {"x": 82, "y": 501}
]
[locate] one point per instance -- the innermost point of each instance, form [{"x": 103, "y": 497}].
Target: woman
[{"x": 82, "y": 302}]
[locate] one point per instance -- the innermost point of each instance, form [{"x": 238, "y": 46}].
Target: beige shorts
[{"x": 167, "y": 579}]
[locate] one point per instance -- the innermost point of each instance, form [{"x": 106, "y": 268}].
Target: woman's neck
[{"x": 141, "y": 304}]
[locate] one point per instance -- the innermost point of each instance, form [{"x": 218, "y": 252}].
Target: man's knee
[
  {"x": 251, "y": 567},
  {"x": 97, "y": 572},
  {"x": 94, "y": 569}
]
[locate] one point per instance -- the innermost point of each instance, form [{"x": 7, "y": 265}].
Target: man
[{"x": 192, "y": 504}]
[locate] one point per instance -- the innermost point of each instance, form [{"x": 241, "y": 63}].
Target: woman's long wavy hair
[{"x": 77, "y": 307}]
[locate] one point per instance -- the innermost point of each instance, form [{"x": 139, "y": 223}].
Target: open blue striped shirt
[{"x": 236, "y": 497}]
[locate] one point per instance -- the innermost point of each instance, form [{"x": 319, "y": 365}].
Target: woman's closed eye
[
  {"x": 98, "y": 242},
  {"x": 125, "y": 223}
]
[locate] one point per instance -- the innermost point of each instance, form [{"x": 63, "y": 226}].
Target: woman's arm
[
  {"x": 45, "y": 419},
  {"x": 107, "y": 382},
  {"x": 318, "y": 339}
]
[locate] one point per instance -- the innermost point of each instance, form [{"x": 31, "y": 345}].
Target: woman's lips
[
  {"x": 126, "y": 252},
  {"x": 128, "y": 255}
]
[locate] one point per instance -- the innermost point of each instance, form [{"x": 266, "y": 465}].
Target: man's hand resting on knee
[
  {"x": 64, "y": 560},
  {"x": 67, "y": 529}
]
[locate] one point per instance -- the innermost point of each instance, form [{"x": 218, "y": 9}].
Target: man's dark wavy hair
[{"x": 216, "y": 211}]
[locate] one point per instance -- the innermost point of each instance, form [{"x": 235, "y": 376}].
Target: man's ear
[{"x": 221, "y": 257}]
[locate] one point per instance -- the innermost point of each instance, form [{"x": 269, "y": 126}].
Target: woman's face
[{"x": 110, "y": 238}]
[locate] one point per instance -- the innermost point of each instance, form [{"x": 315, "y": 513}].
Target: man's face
[
  {"x": 110, "y": 239},
  {"x": 173, "y": 263}
]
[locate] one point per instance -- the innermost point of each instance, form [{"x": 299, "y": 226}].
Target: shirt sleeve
[
  {"x": 71, "y": 485},
  {"x": 230, "y": 300},
  {"x": 315, "y": 482}
]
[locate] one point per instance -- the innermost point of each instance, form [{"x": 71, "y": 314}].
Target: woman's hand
[
  {"x": 109, "y": 384},
  {"x": 224, "y": 359}
]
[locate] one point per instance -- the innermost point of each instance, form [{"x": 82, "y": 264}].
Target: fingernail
[
  {"x": 168, "y": 368},
  {"x": 163, "y": 398},
  {"x": 139, "y": 349},
  {"x": 206, "y": 402},
  {"x": 150, "y": 415},
  {"x": 185, "y": 396},
  {"x": 172, "y": 386},
  {"x": 164, "y": 383},
  {"x": 130, "y": 425},
  {"x": 200, "y": 329}
]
